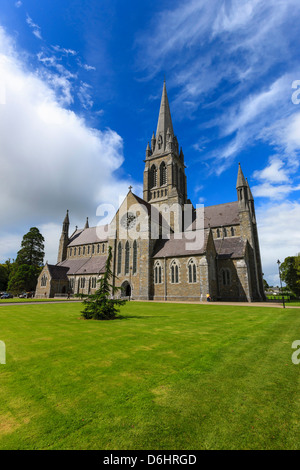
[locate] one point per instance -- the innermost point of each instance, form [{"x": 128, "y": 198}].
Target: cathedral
[{"x": 164, "y": 248}]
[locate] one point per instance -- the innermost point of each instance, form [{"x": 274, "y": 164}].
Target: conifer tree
[
  {"x": 28, "y": 264},
  {"x": 101, "y": 305}
]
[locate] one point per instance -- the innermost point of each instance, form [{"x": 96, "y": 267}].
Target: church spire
[
  {"x": 241, "y": 182},
  {"x": 242, "y": 190},
  {"x": 164, "y": 122},
  {"x": 64, "y": 239},
  {"x": 250, "y": 196},
  {"x": 87, "y": 223}
]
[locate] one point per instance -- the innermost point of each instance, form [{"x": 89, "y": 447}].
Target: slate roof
[
  {"x": 227, "y": 248},
  {"x": 231, "y": 247},
  {"x": 89, "y": 235},
  {"x": 219, "y": 215},
  {"x": 181, "y": 247},
  {"x": 93, "y": 265},
  {"x": 58, "y": 272}
]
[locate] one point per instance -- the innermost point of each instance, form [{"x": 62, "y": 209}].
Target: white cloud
[
  {"x": 50, "y": 159},
  {"x": 36, "y": 30},
  {"x": 278, "y": 234},
  {"x": 64, "y": 51},
  {"x": 85, "y": 96},
  {"x": 255, "y": 38},
  {"x": 275, "y": 172},
  {"x": 278, "y": 192}
]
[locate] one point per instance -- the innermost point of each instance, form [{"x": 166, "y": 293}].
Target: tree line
[
  {"x": 290, "y": 273},
  {"x": 20, "y": 275}
]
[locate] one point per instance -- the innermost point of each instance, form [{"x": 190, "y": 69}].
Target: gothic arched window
[
  {"x": 159, "y": 142},
  {"x": 157, "y": 273},
  {"x": 232, "y": 231},
  {"x": 175, "y": 175},
  {"x": 153, "y": 176},
  {"x": 127, "y": 258},
  {"x": 174, "y": 272},
  {"x": 192, "y": 271},
  {"x": 163, "y": 174},
  {"x": 119, "y": 258},
  {"x": 225, "y": 275},
  {"x": 134, "y": 261}
]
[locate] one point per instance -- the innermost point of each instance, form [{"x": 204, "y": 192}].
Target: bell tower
[{"x": 164, "y": 174}]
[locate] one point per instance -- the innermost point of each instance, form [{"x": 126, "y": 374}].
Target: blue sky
[{"x": 80, "y": 88}]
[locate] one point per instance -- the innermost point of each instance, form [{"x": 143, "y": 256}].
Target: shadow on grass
[
  {"x": 123, "y": 317},
  {"x": 129, "y": 317}
]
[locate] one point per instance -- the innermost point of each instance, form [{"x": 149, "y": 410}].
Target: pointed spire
[
  {"x": 153, "y": 140},
  {"x": 148, "y": 151},
  {"x": 164, "y": 120},
  {"x": 66, "y": 219},
  {"x": 181, "y": 154},
  {"x": 250, "y": 196},
  {"x": 66, "y": 224},
  {"x": 241, "y": 182},
  {"x": 87, "y": 223}
]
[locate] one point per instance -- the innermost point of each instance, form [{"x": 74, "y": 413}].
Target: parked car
[
  {"x": 6, "y": 296},
  {"x": 26, "y": 295}
]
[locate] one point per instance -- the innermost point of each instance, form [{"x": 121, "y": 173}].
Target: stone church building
[{"x": 163, "y": 248}]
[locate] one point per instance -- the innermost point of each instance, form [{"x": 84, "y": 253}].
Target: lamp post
[{"x": 278, "y": 262}]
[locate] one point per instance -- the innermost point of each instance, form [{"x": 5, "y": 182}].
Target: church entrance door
[{"x": 125, "y": 289}]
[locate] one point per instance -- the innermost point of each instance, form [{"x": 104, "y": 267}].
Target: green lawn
[
  {"x": 17, "y": 300},
  {"x": 166, "y": 376}
]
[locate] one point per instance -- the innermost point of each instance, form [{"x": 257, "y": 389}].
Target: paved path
[
  {"x": 40, "y": 303},
  {"x": 242, "y": 304}
]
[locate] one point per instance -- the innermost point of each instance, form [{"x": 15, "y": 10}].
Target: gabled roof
[
  {"x": 222, "y": 215},
  {"x": 57, "y": 272},
  {"x": 92, "y": 265},
  {"x": 184, "y": 246},
  {"x": 89, "y": 235},
  {"x": 231, "y": 247},
  {"x": 218, "y": 215}
]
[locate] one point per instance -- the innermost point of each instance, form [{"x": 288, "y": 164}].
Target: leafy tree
[
  {"x": 290, "y": 273},
  {"x": 23, "y": 279},
  {"x": 3, "y": 277},
  {"x": 28, "y": 265},
  {"x": 5, "y": 270},
  {"x": 101, "y": 305}
]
